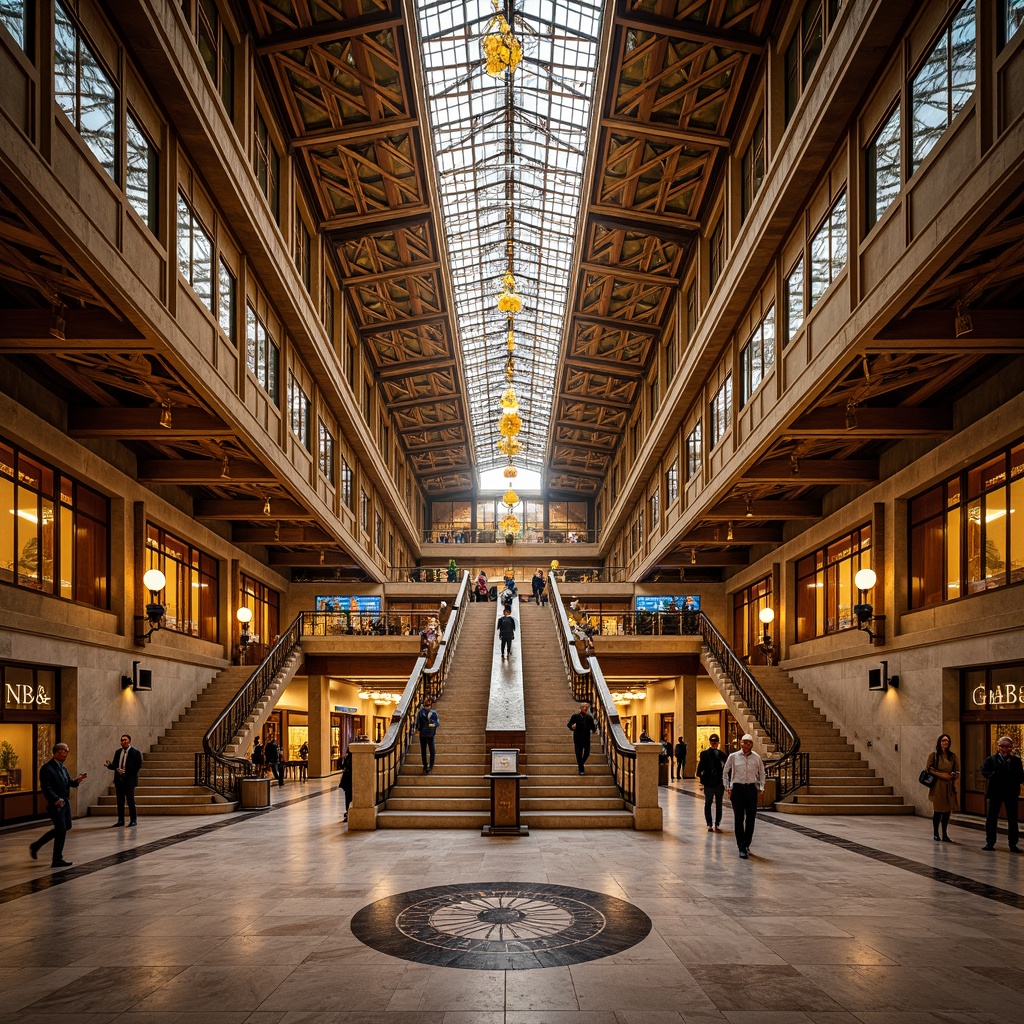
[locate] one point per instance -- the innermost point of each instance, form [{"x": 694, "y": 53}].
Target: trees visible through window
[
  {"x": 757, "y": 356},
  {"x": 303, "y": 251},
  {"x": 655, "y": 522},
  {"x": 672, "y": 483},
  {"x": 828, "y": 250},
  {"x": 84, "y": 90},
  {"x": 14, "y": 18},
  {"x": 298, "y": 410},
  {"x": 325, "y": 448},
  {"x": 752, "y": 167},
  {"x": 943, "y": 84},
  {"x": 195, "y": 253},
  {"x": 346, "y": 485},
  {"x": 721, "y": 413},
  {"x": 694, "y": 451},
  {"x": 141, "y": 173},
  {"x": 716, "y": 253},
  {"x": 364, "y": 511},
  {"x": 1012, "y": 19},
  {"x": 882, "y": 177},
  {"x": 226, "y": 299},
  {"x": 795, "y": 299},
  {"x": 261, "y": 353}
]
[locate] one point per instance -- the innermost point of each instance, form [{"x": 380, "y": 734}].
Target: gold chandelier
[{"x": 502, "y": 50}]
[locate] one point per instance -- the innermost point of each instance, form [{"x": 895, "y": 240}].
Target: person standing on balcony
[
  {"x": 126, "y": 765},
  {"x": 710, "y": 770},
  {"x": 681, "y": 759},
  {"x": 538, "y": 583},
  {"x": 744, "y": 779},
  {"x": 426, "y": 725},
  {"x": 582, "y": 725}
]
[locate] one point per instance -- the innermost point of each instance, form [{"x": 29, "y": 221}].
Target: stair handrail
[
  {"x": 423, "y": 681},
  {"x": 219, "y": 771},
  {"x": 588, "y": 684},
  {"x": 792, "y": 767}
]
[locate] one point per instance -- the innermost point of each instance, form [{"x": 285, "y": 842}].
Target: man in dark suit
[
  {"x": 126, "y": 765},
  {"x": 56, "y": 784},
  {"x": 272, "y": 753},
  {"x": 710, "y": 771},
  {"x": 1005, "y": 773},
  {"x": 582, "y": 724}
]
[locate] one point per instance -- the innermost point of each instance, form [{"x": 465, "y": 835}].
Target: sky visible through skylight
[{"x": 553, "y": 89}]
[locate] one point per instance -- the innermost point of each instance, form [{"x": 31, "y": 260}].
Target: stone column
[
  {"x": 362, "y": 814},
  {"x": 686, "y": 690},
  {"x": 647, "y": 812},
  {"x": 318, "y": 701}
]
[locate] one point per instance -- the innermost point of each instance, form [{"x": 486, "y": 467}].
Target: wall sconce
[
  {"x": 244, "y": 616},
  {"x": 879, "y": 679},
  {"x": 154, "y": 581},
  {"x": 864, "y": 612},
  {"x": 767, "y": 617},
  {"x": 138, "y": 680}
]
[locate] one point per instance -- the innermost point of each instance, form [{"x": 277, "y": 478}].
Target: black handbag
[{"x": 926, "y": 778}]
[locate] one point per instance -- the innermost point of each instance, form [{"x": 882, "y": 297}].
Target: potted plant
[{"x": 8, "y": 765}]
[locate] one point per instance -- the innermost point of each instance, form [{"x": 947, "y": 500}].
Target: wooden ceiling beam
[
  {"x": 741, "y": 534},
  {"x": 706, "y": 558},
  {"x": 764, "y": 509},
  {"x": 610, "y": 367},
  {"x": 617, "y": 325},
  {"x": 144, "y": 424},
  {"x": 326, "y": 32},
  {"x": 278, "y": 534},
  {"x": 815, "y": 471},
  {"x": 872, "y": 422},
  {"x": 252, "y": 509},
  {"x": 658, "y": 131},
  {"x": 363, "y": 223},
  {"x": 694, "y": 31},
  {"x": 930, "y": 330},
  {"x": 411, "y": 321},
  {"x": 358, "y": 231},
  {"x": 681, "y": 230},
  {"x": 84, "y": 329},
  {"x": 357, "y": 133},
  {"x": 351, "y": 283},
  {"x": 199, "y": 472},
  {"x": 325, "y": 557},
  {"x": 630, "y": 275},
  {"x": 413, "y": 365}
]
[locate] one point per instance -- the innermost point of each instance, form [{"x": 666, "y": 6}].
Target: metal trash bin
[{"x": 253, "y": 793}]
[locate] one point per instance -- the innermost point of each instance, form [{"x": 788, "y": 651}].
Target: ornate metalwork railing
[
  {"x": 588, "y": 684},
  {"x": 425, "y": 680}
]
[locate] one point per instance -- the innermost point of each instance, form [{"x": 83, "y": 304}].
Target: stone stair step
[{"x": 785, "y": 807}]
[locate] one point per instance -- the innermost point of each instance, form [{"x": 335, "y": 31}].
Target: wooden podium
[{"x": 505, "y": 779}]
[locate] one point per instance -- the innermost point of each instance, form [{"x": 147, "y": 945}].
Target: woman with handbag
[{"x": 943, "y": 764}]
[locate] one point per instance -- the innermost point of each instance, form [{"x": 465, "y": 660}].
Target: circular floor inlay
[{"x": 511, "y": 926}]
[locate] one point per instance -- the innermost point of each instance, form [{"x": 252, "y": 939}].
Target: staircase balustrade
[
  {"x": 588, "y": 684},
  {"x": 424, "y": 681}
]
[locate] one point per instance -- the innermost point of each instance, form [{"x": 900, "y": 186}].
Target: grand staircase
[
  {"x": 456, "y": 794},
  {"x": 842, "y": 782},
  {"x": 166, "y": 784}
]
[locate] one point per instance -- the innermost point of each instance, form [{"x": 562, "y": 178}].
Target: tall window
[
  {"x": 328, "y": 310},
  {"x": 261, "y": 353},
  {"x": 694, "y": 452},
  {"x": 364, "y": 511},
  {"x": 828, "y": 250},
  {"x": 816, "y": 21},
  {"x": 347, "y": 496},
  {"x": 226, "y": 299},
  {"x": 721, "y": 413},
  {"x": 670, "y": 356},
  {"x": 655, "y": 521},
  {"x": 757, "y": 356},
  {"x": 795, "y": 299},
  {"x": 190, "y": 597},
  {"x": 325, "y": 449},
  {"x": 378, "y": 531},
  {"x": 1012, "y": 19},
  {"x": 672, "y": 484},
  {"x": 54, "y": 531},
  {"x": 943, "y": 84},
  {"x": 746, "y": 606},
  {"x": 716, "y": 252},
  {"x": 752, "y": 167},
  {"x": 691, "y": 310},
  {"x": 654, "y": 394},
  {"x": 298, "y": 410},
  {"x": 84, "y": 90},
  {"x": 217, "y": 51},
  {"x": 14, "y": 17},
  {"x": 883, "y": 168},
  {"x": 303, "y": 252},
  {"x": 265, "y": 604},
  {"x": 266, "y": 165},
  {"x": 824, "y": 582},
  {"x": 967, "y": 533},
  {"x": 195, "y": 253},
  {"x": 141, "y": 178}
]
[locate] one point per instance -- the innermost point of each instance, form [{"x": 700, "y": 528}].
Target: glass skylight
[{"x": 552, "y": 91}]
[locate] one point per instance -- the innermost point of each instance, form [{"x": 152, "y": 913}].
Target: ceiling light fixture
[
  {"x": 750, "y": 507},
  {"x": 58, "y": 321},
  {"x": 794, "y": 464},
  {"x": 963, "y": 319},
  {"x": 165, "y": 415},
  {"x": 728, "y": 532},
  {"x": 266, "y": 506},
  {"x": 693, "y": 556},
  {"x": 851, "y": 415},
  {"x": 225, "y": 468}
]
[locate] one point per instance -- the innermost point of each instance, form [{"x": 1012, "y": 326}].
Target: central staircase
[{"x": 456, "y": 794}]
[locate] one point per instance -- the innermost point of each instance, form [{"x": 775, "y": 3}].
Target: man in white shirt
[{"x": 744, "y": 779}]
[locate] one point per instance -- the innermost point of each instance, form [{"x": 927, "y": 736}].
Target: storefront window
[{"x": 28, "y": 730}]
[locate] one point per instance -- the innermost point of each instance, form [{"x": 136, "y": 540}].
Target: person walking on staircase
[
  {"x": 426, "y": 725},
  {"x": 942, "y": 763},
  {"x": 507, "y": 631},
  {"x": 744, "y": 779},
  {"x": 272, "y": 752},
  {"x": 1005, "y": 775},
  {"x": 680, "y": 757},
  {"x": 56, "y": 784},
  {"x": 582, "y": 725},
  {"x": 710, "y": 773},
  {"x": 126, "y": 765},
  {"x": 538, "y": 585}
]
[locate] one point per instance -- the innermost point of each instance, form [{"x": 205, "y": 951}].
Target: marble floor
[{"x": 247, "y": 918}]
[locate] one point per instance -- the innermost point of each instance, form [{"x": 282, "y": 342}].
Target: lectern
[{"x": 505, "y": 778}]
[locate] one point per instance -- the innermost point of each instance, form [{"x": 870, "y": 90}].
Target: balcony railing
[{"x": 492, "y": 535}]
